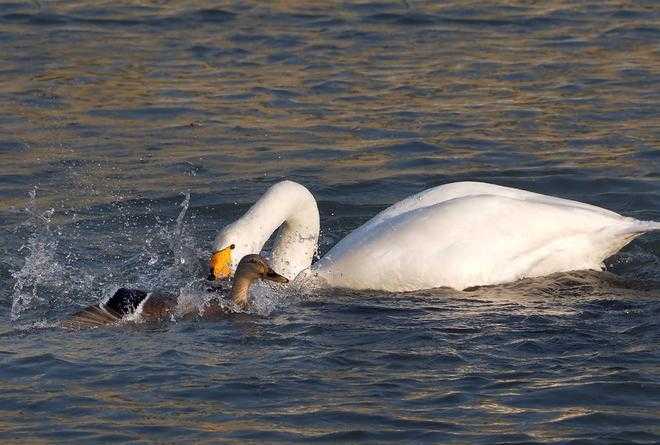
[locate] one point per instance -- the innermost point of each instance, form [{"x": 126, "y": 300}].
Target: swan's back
[
  {"x": 445, "y": 192},
  {"x": 467, "y": 234}
]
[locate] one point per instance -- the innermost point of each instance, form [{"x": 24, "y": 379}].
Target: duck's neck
[
  {"x": 292, "y": 208},
  {"x": 240, "y": 292}
]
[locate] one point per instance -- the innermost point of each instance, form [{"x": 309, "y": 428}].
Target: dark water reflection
[{"x": 113, "y": 111}]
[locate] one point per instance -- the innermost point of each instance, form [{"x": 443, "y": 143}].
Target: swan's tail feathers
[
  {"x": 653, "y": 225},
  {"x": 640, "y": 227},
  {"x": 92, "y": 316},
  {"x": 648, "y": 226}
]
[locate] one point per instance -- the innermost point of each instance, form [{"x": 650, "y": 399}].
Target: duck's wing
[
  {"x": 91, "y": 316},
  {"x": 123, "y": 302}
]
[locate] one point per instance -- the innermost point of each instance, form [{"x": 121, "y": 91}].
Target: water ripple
[{"x": 118, "y": 113}]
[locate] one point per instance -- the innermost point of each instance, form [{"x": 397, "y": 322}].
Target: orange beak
[{"x": 220, "y": 264}]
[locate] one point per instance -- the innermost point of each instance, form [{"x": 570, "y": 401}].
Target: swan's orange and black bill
[{"x": 220, "y": 264}]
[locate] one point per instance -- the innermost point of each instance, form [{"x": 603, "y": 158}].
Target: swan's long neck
[{"x": 292, "y": 208}]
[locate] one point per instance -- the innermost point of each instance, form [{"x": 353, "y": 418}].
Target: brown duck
[{"x": 156, "y": 307}]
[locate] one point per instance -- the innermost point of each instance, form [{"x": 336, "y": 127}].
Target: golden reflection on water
[
  {"x": 103, "y": 102},
  {"x": 255, "y": 96}
]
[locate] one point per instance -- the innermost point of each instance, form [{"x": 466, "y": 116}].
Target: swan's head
[
  {"x": 231, "y": 244},
  {"x": 220, "y": 264}
]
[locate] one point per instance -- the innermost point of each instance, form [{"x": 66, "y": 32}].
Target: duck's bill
[
  {"x": 271, "y": 275},
  {"x": 220, "y": 264}
]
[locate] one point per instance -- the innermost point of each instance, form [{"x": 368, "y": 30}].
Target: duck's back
[{"x": 469, "y": 234}]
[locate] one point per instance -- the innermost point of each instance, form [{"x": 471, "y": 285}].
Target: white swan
[{"x": 457, "y": 235}]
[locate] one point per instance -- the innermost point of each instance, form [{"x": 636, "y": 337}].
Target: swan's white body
[{"x": 458, "y": 235}]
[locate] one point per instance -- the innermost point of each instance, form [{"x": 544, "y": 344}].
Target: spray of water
[
  {"x": 40, "y": 268},
  {"x": 165, "y": 258},
  {"x": 184, "y": 266}
]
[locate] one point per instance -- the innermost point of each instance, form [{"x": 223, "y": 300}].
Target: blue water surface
[{"x": 130, "y": 132}]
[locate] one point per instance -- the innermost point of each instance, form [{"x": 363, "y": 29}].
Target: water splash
[
  {"x": 185, "y": 266},
  {"x": 40, "y": 267},
  {"x": 193, "y": 292},
  {"x": 194, "y": 297},
  {"x": 165, "y": 258},
  {"x": 267, "y": 298},
  {"x": 48, "y": 276},
  {"x": 177, "y": 247}
]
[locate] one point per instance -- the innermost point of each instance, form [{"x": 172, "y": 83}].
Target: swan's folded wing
[
  {"x": 474, "y": 240},
  {"x": 455, "y": 190}
]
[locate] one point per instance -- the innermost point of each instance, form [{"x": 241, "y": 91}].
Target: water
[{"x": 131, "y": 132}]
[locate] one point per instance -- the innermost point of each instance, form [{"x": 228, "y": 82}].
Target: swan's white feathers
[
  {"x": 458, "y": 235},
  {"x": 641, "y": 227},
  {"x": 470, "y": 240},
  {"x": 286, "y": 204}
]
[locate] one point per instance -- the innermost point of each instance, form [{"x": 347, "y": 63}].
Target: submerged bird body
[
  {"x": 159, "y": 306},
  {"x": 150, "y": 306},
  {"x": 457, "y": 235}
]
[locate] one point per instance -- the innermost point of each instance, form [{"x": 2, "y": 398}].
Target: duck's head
[{"x": 251, "y": 268}]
